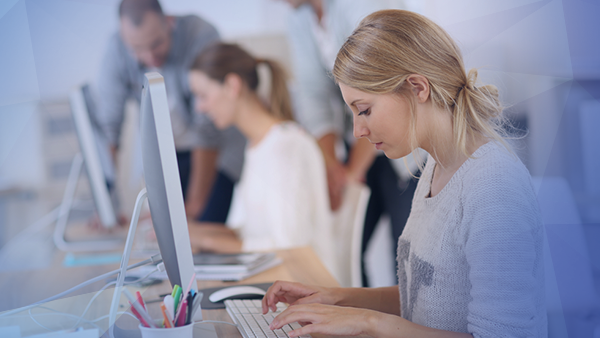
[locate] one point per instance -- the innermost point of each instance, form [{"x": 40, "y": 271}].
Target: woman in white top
[
  {"x": 470, "y": 258},
  {"x": 281, "y": 199}
]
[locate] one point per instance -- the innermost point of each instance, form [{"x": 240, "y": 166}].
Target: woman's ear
[
  {"x": 419, "y": 86},
  {"x": 233, "y": 83},
  {"x": 170, "y": 20}
]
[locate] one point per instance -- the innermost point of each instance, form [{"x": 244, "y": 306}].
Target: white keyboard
[{"x": 248, "y": 316}]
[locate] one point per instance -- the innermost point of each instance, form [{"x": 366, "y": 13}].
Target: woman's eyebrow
[{"x": 353, "y": 102}]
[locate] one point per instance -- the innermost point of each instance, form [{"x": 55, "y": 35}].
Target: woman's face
[
  {"x": 384, "y": 119},
  {"x": 212, "y": 98}
]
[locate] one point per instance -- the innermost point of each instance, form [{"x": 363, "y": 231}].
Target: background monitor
[
  {"x": 96, "y": 154},
  {"x": 161, "y": 173}
]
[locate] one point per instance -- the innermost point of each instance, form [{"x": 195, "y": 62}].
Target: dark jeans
[
  {"x": 219, "y": 200},
  {"x": 389, "y": 195}
]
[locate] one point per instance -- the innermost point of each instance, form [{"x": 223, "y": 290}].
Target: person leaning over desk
[
  {"x": 281, "y": 199},
  {"x": 470, "y": 258},
  {"x": 209, "y": 160},
  {"x": 317, "y": 30}
]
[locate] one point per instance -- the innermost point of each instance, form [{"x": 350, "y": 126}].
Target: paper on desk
[{"x": 201, "y": 275}]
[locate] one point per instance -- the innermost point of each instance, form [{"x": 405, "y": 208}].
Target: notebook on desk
[
  {"x": 223, "y": 267},
  {"x": 231, "y": 263}
]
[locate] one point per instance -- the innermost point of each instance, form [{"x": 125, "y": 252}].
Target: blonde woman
[
  {"x": 470, "y": 258},
  {"x": 281, "y": 200}
]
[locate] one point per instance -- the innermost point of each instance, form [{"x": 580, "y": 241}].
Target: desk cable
[
  {"x": 81, "y": 318},
  {"x": 152, "y": 260}
]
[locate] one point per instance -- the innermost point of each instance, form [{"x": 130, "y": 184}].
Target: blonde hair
[
  {"x": 390, "y": 45},
  {"x": 220, "y": 59}
]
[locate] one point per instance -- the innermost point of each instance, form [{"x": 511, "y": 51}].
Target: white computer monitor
[
  {"x": 96, "y": 156},
  {"x": 161, "y": 174}
]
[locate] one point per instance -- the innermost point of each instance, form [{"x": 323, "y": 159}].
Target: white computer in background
[
  {"x": 95, "y": 156},
  {"x": 165, "y": 198}
]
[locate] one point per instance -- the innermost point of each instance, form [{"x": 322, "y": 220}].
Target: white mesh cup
[{"x": 186, "y": 331}]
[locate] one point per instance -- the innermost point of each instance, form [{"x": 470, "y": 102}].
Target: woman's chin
[
  {"x": 221, "y": 125},
  {"x": 393, "y": 154}
]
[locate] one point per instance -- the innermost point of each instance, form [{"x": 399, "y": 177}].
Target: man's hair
[{"x": 135, "y": 9}]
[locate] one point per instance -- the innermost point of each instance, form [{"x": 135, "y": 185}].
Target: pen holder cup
[{"x": 186, "y": 331}]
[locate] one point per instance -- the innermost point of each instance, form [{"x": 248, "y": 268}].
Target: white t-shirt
[{"x": 281, "y": 200}]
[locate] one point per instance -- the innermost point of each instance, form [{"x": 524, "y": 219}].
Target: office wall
[{"x": 532, "y": 50}]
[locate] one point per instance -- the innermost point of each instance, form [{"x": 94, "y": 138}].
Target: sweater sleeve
[
  {"x": 113, "y": 90},
  {"x": 314, "y": 88},
  {"x": 503, "y": 248},
  {"x": 196, "y": 35}
]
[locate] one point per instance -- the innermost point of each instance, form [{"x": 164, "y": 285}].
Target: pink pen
[
  {"x": 182, "y": 314},
  {"x": 140, "y": 299},
  {"x": 139, "y": 316}
]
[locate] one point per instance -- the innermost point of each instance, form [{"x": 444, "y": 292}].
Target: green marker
[{"x": 176, "y": 296}]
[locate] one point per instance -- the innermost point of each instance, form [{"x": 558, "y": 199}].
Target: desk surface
[{"x": 299, "y": 265}]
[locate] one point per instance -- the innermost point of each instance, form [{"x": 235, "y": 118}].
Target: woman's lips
[{"x": 378, "y": 145}]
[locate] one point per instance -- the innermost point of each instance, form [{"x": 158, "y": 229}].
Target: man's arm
[
  {"x": 112, "y": 89},
  {"x": 360, "y": 158},
  {"x": 203, "y": 171},
  {"x": 336, "y": 172}
]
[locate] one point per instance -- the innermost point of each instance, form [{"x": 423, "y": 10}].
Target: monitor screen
[
  {"x": 161, "y": 174},
  {"x": 96, "y": 156}
]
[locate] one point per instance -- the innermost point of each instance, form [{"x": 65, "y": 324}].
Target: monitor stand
[
  {"x": 63, "y": 218},
  {"x": 112, "y": 316},
  {"x": 200, "y": 330}
]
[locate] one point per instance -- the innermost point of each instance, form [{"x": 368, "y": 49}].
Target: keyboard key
[{"x": 253, "y": 324}]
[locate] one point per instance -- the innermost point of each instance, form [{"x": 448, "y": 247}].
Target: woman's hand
[
  {"x": 296, "y": 293},
  {"x": 326, "y": 319}
]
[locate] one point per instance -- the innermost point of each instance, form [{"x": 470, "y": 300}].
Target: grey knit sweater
[{"x": 470, "y": 258}]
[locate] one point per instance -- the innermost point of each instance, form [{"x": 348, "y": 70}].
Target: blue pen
[{"x": 190, "y": 302}]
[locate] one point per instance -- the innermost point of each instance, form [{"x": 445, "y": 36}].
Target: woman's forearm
[
  {"x": 383, "y": 325},
  {"x": 384, "y": 299}
]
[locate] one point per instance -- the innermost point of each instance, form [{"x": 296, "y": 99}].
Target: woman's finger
[
  {"x": 291, "y": 316},
  {"x": 271, "y": 298}
]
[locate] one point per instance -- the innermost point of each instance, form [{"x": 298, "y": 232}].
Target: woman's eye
[{"x": 364, "y": 112}]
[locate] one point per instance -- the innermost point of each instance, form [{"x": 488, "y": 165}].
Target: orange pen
[{"x": 167, "y": 320}]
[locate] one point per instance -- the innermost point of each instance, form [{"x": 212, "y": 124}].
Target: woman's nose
[{"x": 360, "y": 128}]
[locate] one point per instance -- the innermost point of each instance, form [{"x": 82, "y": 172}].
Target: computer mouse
[{"x": 237, "y": 292}]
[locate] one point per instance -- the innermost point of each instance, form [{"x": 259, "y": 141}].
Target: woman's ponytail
[
  {"x": 279, "y": 100},
  {"x": 477, "y": 109},
  {"x": 220, "y": 59}
]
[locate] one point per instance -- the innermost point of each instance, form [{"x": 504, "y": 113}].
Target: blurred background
[{"x": 544, "y": 56}]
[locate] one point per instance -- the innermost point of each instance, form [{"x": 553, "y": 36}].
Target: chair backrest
[{"x": 348, "y": 222}]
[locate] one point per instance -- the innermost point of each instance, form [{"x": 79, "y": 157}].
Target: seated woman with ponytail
[
  {"x": 281, "y": 199},
  {"x": 470, "y": 258}
]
